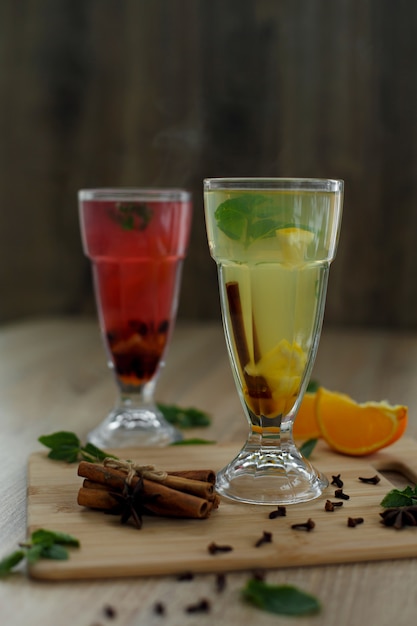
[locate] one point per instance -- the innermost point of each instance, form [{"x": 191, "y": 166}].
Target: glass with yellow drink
[{"x": 273, "y": 241}]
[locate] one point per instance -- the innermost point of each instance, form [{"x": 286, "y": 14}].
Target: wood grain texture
[
  {"x": 170, "y": 546},
  {"x": 53, "y": 376},
  {"x": 102, "y": 93}
]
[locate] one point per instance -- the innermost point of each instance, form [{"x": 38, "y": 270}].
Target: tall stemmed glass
[
  {"x": 136, "y": 240},
  {"x": 273, "y": 241}
]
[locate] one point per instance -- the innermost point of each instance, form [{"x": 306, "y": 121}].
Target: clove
[
  {"x": 337, "y": 481},
  {"x": 308, "y": 525},
  {"x": 374, "y": 480},
  {"x": 354, "y": 521},
  {"x": 340, "y": 494},
  {"x": 330, "y": 506}
]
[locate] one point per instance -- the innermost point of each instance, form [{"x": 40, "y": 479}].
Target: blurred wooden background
[{"x": 98, "y": 93}]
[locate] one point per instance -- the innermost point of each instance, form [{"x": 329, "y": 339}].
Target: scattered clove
[
  {"x": 159, "y": 608},
  {"x": 220, "y": 582},
  {"x": 214, "y": 548},
  {"x": 266, "y": 538},
  {"x": 280, "y": 511},
  {"x": 373, "y": 480},
  {"x": 337, "y": 481},
  {"x": 109, "y": 611},
  {"x": 330, "y": 506},
  {"x": 185, "y": 576},
  {"x": 308, "y": 525},
  {"x": 203, "y": 606},
  {"x": 354, "y": 521},
  {"x": 339, "y": 493}
]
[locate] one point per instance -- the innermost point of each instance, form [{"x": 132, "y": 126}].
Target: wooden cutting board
[{"x": 168, "y": 546}]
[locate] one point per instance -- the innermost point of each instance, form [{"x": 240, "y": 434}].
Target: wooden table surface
[{"x": 53, "y": 376}]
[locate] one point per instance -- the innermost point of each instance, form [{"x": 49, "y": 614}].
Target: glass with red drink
[{"x": 136, "y": 240}]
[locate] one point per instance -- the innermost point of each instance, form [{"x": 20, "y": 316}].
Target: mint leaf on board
[
  {"x": 400, "y": 497},
  {"x": 280, "y": 599},
  {"x": 43, "y": 544},
  {"x": 184, "y": 418},
  {"x": 307, "y": 447},
  {"x": 52, "y": 536},
  {"x": 10, "y": 561},
  {"x": 66, "y": 446}
]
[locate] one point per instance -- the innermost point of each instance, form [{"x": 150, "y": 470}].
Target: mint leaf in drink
[
  {"x": 280, "y": 599},
  {"x": 10, "y": 561},
  {"x": 307, "y": 447},
  {"x": 400, "y": 497},
  {"x": 184, "y": 418},
  {"x": 250, "y": 217},
  {"x": 132, "y": 215},
  {"x": 66, "y": 446}
]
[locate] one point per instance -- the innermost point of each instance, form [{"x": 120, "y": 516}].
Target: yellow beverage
[{"x": 273, "y": 249}]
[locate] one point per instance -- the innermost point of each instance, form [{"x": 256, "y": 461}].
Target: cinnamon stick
[
  {"x": 207, "y": 476},
  {"x": 257, "y": 386},
  {"x": 115, "y": 478},
  {"x": 161, "y": 499}
]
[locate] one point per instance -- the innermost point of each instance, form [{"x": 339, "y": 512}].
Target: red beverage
[
  {"x": 136, "y": 240},
  {"x": 136, "y": 248}
]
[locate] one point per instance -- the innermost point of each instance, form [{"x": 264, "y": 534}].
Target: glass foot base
[
  {"x": 132, "y": 428},
  {"x": 270, "y": 476}
]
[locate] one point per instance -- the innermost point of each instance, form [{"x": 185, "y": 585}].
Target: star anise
[
  {"x": 400, "y": 516},
  {"x": 133, "y": 502}
]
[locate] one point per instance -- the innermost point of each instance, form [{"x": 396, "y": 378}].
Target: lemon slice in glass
[{"x": 293, "y": 243}]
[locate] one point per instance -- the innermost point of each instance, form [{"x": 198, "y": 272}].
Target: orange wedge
[
  {"x": 305, "y": 424},
  {"x": 358, "y": 429}
]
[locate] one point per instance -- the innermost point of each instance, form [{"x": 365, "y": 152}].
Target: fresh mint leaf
[
  {"x": 307, "y": 447},
  {"x": 52, "y": 536},
  {"x": 10, "y": 561},
  {"x": 34, "y": 553},
  {"x": 192, "y": 442},
  {"x": 184, "y": 418},
  {"x": 132, "y": 215},
  {"x": 60, "y": 438},
  {"x": 55, "y": 552},
  {"x": 249, "y": 217},
  {"x": 66, "y": 446},
  {"x": 313, "y": 386},
  {"x": 43, "y": 544},
  {"x": 400, "y": 497},
  {"x": 280, "y": 599},
  {"x": 90, "y": 452}
]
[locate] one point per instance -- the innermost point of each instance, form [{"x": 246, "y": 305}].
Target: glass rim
[
  {"x": 141, "y": 194},
  {"x": 272, "y": 183}
]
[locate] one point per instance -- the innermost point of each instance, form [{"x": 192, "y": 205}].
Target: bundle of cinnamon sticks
[{"x": 186, "y": 494}]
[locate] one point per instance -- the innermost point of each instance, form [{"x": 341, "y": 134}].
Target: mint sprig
[
  {"x": 307, "y": 447},
  {"x": 249, "y": 217},
  {"x": 280, "y": 599},
  {"x": 132, "y": 215},
  {"x": 184, "y": 418},
  {"x": 400, "y": 497},
  {"x": 43, "y": 544},
  {"x": 66, "y": 446}
]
